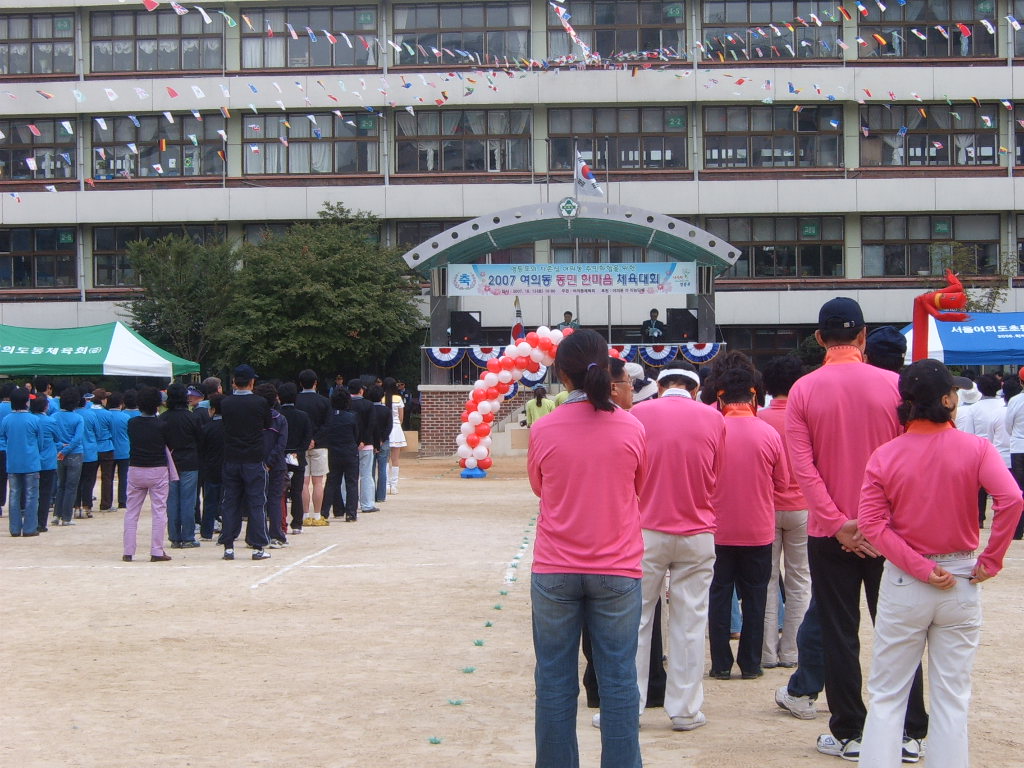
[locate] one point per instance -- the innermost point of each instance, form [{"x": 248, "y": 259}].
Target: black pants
[
  {"x": 836, "y": 581},
  {"x": 982, "y": 502},
  {"x": 342, "y": 466},
  {"x": 106, "y": 479},
  {"x": 747, "y": 570},
  {"x": 47, "y": 477},
  {"x": 276, "y": 481},
  {"x": 243, "y": 490},
  {"x": 1017, "y": 467},
  {"x": 86, "y": 484},
  {"x": 3, "y": 479},
  {"x": 295, "y": 496},
  {"x": 656, "y": 676},
  {"x": 121, "y": 465}
]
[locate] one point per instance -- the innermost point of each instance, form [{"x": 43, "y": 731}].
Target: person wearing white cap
[{"x": 684, "y": 454}]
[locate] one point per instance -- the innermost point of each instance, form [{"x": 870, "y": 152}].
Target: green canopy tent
[{"x": 111, "y": 349}]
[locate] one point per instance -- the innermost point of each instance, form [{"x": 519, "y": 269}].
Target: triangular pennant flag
[
  {"x": 102, "y": 123},
  {"x": 204, "y": 14},
  {"x": 198, "y": 91}
]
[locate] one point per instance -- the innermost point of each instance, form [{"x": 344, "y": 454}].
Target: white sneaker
[
  {"x": 689, "y": 723},
  {"x": 851, "y": 750},
  {"x": 912, "y": 749},
  {"x": 596, "y": 721},
  {"x": 830, "y": 745},
  {"x": 801, "y": 707}
]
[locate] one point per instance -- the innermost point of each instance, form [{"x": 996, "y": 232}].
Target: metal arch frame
[{"x": 470, "y": 240}]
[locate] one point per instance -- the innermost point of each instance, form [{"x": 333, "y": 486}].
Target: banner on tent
[{"x": 567, "y": 279}]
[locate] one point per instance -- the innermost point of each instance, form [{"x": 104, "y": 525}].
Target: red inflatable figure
[{"x": 935, "y": 303}]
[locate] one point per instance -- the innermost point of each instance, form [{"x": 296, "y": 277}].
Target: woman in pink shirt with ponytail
[
  {"x": 586, "y": 463},
  {"x": 918, "y": 507}
]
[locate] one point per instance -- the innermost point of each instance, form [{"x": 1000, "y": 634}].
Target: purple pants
[{"x": 142, "y": 481}]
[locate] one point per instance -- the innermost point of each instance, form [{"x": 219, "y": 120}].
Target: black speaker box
[
  {"x": 466, "y": 329},
  {"x": 682, "y": 326}
]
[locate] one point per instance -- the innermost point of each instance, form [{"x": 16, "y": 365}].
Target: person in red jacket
[{"x": 918, "y": 508}]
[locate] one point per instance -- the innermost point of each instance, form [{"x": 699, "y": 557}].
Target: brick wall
[{"x": 441, "y": 407}]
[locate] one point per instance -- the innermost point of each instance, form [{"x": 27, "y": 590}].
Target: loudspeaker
[
  {"x": 466, "y": 328},
  {"x": 682, "y": 325}
]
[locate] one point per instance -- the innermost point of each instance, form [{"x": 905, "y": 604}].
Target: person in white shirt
[
  {"x": 1015, "y": 429},
  {"x": 987, "y": 418}
]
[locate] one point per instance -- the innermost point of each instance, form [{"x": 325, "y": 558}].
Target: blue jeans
[
  {"x": 366, "y": 485},
  {"x": 211, "y": 508},
  {"x": 610, "y": 607},
  {"x": 381, "y": 465},
  {"x": 24, "y": 502},
  {"x": 181, "y": 507},
  {"x": 809, "y": 678},
  {"x": 69, "y": 470}
]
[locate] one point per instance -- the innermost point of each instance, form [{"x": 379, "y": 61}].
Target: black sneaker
[
  {"x": 259, "y": 554},
  {"x": 188, "y": 545},
  {"x": 229, "y": 554}
]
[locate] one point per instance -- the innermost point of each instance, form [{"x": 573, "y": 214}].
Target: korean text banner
[{"x": 569, "y": 279}]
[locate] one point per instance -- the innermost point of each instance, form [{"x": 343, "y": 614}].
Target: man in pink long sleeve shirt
[{"x": 836, "y": 417}]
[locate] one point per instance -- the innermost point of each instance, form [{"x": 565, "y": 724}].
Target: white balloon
[
  {"x": 512, "y": 350},
  {"x": 516, "y": 374},
  {"x": 475, "y": 418},
  {"x": 470, "y": 463},
  {"x": 460, "y": 439},
  {"x": 537, "y": 355},
  {"x": 491, "y": 379},
  {"x": 496, "y": 404},
  {"x": 505, "y": 376},
  {"x": 464, "y": 452},
  {"x": 479, "y": 453},
  {"x": 479, "y": 384},
  {"x": 557, "y": 335},
  {"x": 484, "y": 407},
  {"x": 485, "y": 441},
  {"x": 524, "y": 348},
  {"x": 467, "y": 429},
  {"x": 547, "y": 360},
  {"x": 544, "y": 332}
]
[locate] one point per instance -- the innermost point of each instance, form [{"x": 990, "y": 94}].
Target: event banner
[{"x": 569, "y": 279}]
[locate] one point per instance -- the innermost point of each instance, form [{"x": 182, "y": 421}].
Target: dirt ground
[{"x": 400, "y": 640}]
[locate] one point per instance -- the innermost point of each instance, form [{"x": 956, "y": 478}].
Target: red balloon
[
  {"x": 507, "y": 363},
  {"x": 479, "y": 395},
  {"x": 521, "y": 362},
  {"x": 567, "y": 332},
  {"x": 502, "y": 387},
  {"x": 492, "y": 394},
  {"x": 464, "y": 416},
  {"x": 613, "y": 353},
  {"x": 488, "y": 418},
  {"x": 470, "y": 405},
  {"x": 484, "y": 463},
  {"x": 533, "y": 366},
  {"x": 532, "y": 338},
  {"x": 493, "y": 365},
  {"x": 472, "y": 440},
  {"x": 482, "y": 430},
  {"x": 545, "y": 344},
  {"x": 462, "y": 463}
]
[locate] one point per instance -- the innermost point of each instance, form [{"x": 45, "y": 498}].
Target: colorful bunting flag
[{"x": 204, "y": 14}]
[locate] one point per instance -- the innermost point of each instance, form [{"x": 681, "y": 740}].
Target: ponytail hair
[
  {"x": 538, "y": 393},
  {"x": 583, "y": 359},
  {"x": 930, "y": 410}
]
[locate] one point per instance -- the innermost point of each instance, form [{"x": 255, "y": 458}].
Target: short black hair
[
  {"x": 988, "y": 385},
  {"x": 781, "y": 373},
  {"x": 839, "y": 335},
  {"x": 40, "y": 383},
  {"x": 374, "y": 393},
  {"x": 340, "y": 400},
  {"x": 19, "y": 399},
  {"x": 215, "y": 400},
  {"x": 131, "y": 400},
  {"x": 356, "y": 386},
  {"x": 268, "y": 392},
  {"x": 176, "y": 397},
  {"x": 307, "y": 378},
  {"x": 40, "y": 404},
  {"x": 286, "y": 392},
  {"x": 114, "y": 401},
  {"x": 736, "y": 385},
  {"x": 149, "y": 400},
  {"x": 70, "y": 398}
]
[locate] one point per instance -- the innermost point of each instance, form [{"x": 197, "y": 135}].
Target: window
[
  {"x": 310, "y": 143},
  {"x": 156, "y": 148},
  {"x": 409, "y": 234},
  {"x": 1018, "y": 38},
  {"x": 469, "y": 140},
  {"x": 37, "y": 149},
  {"x": 110, "y": 245},
  {"x": 161, "y": 41},
  {"x": 647, "y": 138},
  {"x": 586, "y": 250},
  {"x": 933, "y": 134},
  {"x": 1020, "y": 243},
  {"x": 737, "y": 30},
  {"x": 1018, "y": 132},
  {"x": 37, "y": 258},
  {"x": 346, "y": 24},
  {"x": 461, "y": 33},
  {"x": 620, "y": 28},
  {"x": 923, "y": 29},
  {"x": 897, "y": 246},
  {"x": 784, "y": 246},
  {"x": 264, "y": 231},
  {"x": 773, "y": 137},
  {"x": 37, "y": 44}
]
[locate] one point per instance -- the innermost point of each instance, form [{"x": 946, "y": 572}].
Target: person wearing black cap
[
  {"x": 836, "y": 417},
  {"x": 917, "y": 509},
  {"x": 886, "y": 348},
  {"x": 244, "y": 472}
]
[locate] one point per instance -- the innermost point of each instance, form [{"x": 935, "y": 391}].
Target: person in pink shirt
[
  {"x": 835, "y": 418},
  {"x": 587, "y": 462},
  {"x": 917, "y": 507},
  {"x": 753, "y": 470},
  {"x": 790, "y": 531},
  {"x": 685, "y": 442}
]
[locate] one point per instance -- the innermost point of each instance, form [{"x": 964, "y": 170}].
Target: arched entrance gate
[{"x": 470, "y": 241}]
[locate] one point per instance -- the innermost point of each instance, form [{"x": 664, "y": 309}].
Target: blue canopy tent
[{"x": 985, "y": 339}]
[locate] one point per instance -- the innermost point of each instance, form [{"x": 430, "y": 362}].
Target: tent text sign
[{"x": 569, "y": 279}]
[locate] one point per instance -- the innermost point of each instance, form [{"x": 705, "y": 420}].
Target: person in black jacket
[
  {"x": 211, "y": 461},
  {"x": 383, "y": 420},
  {"x": 342, "y": 456},
  {"x": 300, "y": 434},
  {"x": 147, "y": 475},
  {"x": 275, "y": 441},
  {"x": 183, "y": 436},
  {"x": 244, "y": 478},
  {"x": 367, "y": 441},
  {"x": 318, "y": 408}
]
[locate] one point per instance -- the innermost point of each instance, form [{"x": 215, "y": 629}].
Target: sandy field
[{"x": 402, "y": 640}]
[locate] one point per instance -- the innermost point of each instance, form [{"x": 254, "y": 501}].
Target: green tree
[
  {"x": 987, "y": 285},
  {"x": 324, "y": 295},
  {"x": 185, "y": 286}
]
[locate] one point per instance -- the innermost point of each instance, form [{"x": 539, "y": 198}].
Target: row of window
[
  {"x": 496, "y": 140},
  {"x": 475, "y": 32},
  {"x": 770, "y": 247}
]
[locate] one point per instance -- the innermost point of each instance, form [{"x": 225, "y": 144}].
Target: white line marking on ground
[{"x": 296, "y": 564}]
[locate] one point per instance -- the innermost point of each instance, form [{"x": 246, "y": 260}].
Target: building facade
[{"x": 845, "y": 149}]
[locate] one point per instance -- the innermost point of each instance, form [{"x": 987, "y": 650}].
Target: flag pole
[{"x": 607, "y": 173}]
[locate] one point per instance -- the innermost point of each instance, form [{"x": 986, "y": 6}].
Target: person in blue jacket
[
  {"x": 119, "y": 418},
  {"x": 40, "y": 407},
  {"x": 104, "y": 448},
  {"x": 90, "y": 457},
  {"x": 70, "y": 451},
  {"x": 23, "y": 435}
]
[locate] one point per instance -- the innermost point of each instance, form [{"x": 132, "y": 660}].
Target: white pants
[
  {"x": 911, "y": 613},
  {"x": 690, "y": 562},
  {"x": 790, "y": 542}
]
